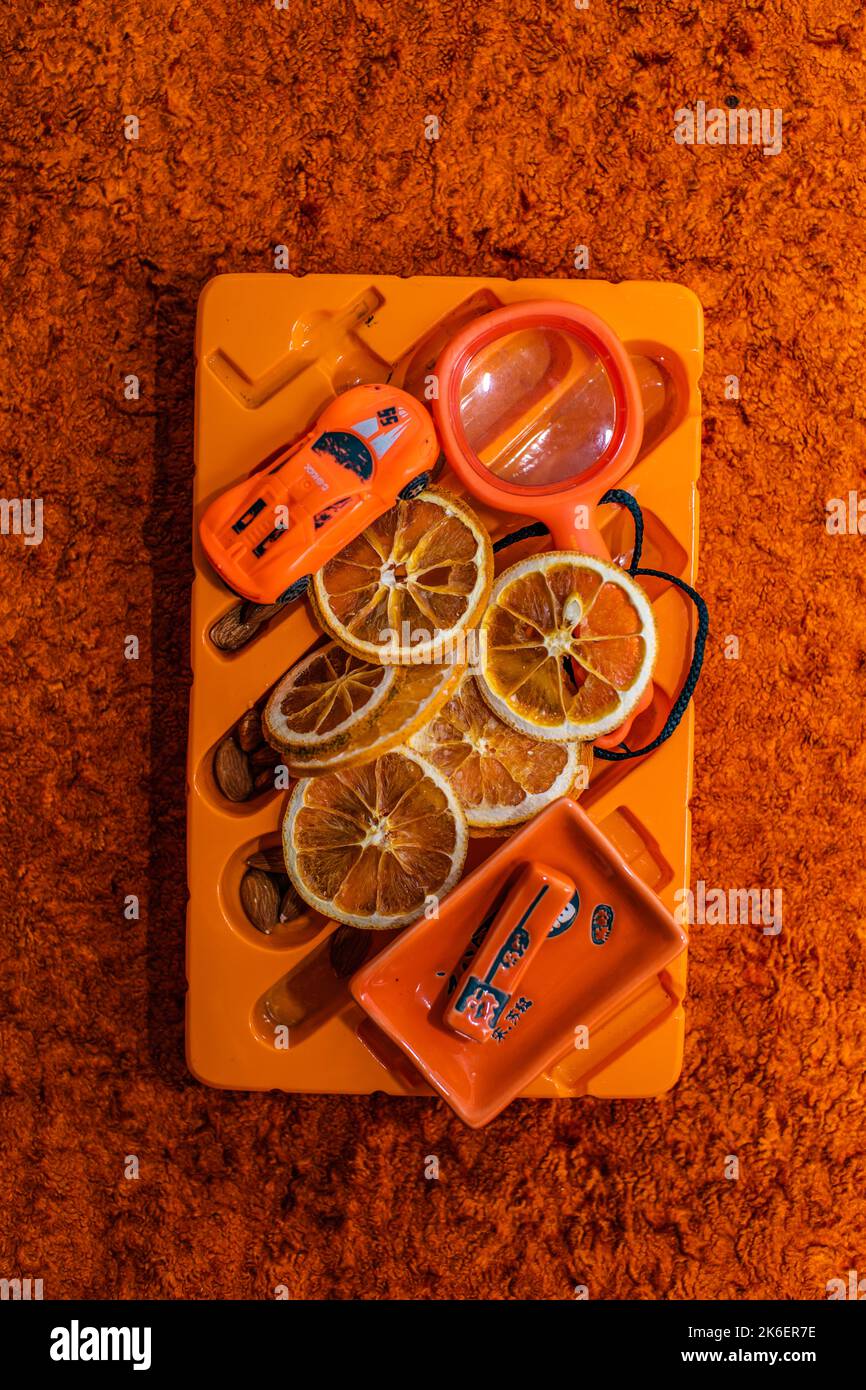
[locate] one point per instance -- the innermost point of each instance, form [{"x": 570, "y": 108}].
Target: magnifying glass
[{"x": 540, "y": 411}]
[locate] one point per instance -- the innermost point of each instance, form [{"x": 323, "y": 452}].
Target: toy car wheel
[
  {"x": 296, "y": 590},
  {"x": 416, "y": 486}
]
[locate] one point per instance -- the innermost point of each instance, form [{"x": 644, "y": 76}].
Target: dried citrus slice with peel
[
  {"x": 567, "y": 647},
  {"x": 406, "y": 589},
  {"x": 502, "y": 777},
  {"x": 367, "y": 845},
  {"x": 333, "y": 709}
]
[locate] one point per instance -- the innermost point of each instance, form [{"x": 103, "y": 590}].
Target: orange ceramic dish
[{"x": 525, "y": 959}]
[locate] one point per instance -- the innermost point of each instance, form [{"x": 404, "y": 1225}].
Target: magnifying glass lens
[{"x": 537, "y": 407}]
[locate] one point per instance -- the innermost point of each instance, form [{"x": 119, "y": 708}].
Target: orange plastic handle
[{"x": 516, "y": 935}]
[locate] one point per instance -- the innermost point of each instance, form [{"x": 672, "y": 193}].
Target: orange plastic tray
[{"x": 271, "y": 351}]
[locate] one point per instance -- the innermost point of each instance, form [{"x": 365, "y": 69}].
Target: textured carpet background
[{"x": 306, "y": 126}]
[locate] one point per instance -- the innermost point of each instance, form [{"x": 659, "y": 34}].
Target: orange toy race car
[{"x": 266, "y": 535}]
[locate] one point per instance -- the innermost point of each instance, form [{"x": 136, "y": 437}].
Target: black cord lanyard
[{"x": 680, "y": 705}]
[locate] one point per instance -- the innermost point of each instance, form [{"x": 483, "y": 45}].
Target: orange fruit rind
[
  {"x": 406, "y": 589},
  {"x": 334, "y": 709},
  {"x": 503, "y": 777},
  {"x": 373, "y": 845},
  {"x": 567, "y": 646}
]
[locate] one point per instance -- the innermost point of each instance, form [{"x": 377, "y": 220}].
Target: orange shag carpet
[{"x": 306, "y": 126}]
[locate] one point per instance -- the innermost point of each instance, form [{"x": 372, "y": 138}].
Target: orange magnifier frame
[{"x": 552, "y": 357}]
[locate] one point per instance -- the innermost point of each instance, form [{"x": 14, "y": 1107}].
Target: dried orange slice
[
  {"x": 502, "y": 777},
  {"x": 567, "y": 646},
  {"x": 370, "y": 845},
  {"x": 406, "y": 589},
  {"x": 333, "y": 709}
]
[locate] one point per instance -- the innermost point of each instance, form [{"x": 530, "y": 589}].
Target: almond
[
  {"x": 270, "y": 859},
  {"x": 235, "y": 628},
  {"x": 229, "y": 633},
  {"x": 260, "y": 899},
  {"x": 232, "y": 771},
  {"x": 264, "y": 780},
  {"x": 348, "y": 949},
  {"x": 249, "y": 731},
  {"x": 264, "y": 756},
  {"x": 291, "y": 906}
]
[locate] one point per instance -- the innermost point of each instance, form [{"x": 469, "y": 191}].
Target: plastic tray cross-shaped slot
[
  {"x": 526, "y": 958},
  {"x": 271, "y": 1011}
]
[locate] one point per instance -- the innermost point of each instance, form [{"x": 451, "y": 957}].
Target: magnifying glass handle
[{"x": 573, "y": 528}]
